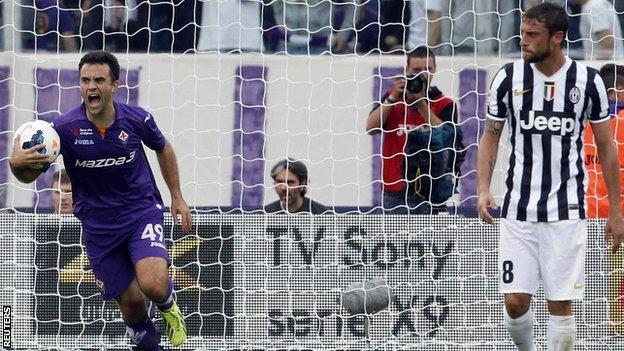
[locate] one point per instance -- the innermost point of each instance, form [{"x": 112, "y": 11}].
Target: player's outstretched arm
[
  {"x": 169, "y": 168},
  {"x": 614, "y": 229},
  {"x": 486, "y": 160},
  {"x": 22, "y": 162}
]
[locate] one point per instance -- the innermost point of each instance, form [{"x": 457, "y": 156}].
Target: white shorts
[{"x": 550, "y": 252}]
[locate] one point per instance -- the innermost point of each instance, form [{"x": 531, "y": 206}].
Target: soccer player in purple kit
[{"x": 116, "y": 198}]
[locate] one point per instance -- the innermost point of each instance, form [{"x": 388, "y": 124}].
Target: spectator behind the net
[
  {"x": 173, "y": 25},
  {"x": 231, "y": 26},
  {"x": 62, "y": 193},
  {"x": 291, "y": 185},
  {"x": 600, "y": 30},
  {"x": 424, "y": 26},
  {"x": 399, "y": 113},
  {"x": 596, "y": 194},
  {"x": 115, "y": 24},
  {"x": 305, "y": 27},
  {"x": 362, "y": 32},
  {"x": 90, "y": 25},
  {"x": 54, "y": 24},
  {"x": 394, "y": 16}
]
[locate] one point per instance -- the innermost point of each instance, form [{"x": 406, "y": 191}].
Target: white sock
[
  {"x": 521, "y": 330},
  {"x": 561, "y": 333}
]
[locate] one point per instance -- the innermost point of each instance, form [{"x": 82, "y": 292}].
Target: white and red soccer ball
[{"x": 40, "y": 132}]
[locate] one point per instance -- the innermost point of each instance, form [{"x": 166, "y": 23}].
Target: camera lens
[{"x": 415, "y": 82}]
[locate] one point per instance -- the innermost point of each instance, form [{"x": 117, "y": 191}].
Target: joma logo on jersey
[
  {"x": 106, "y": 162},
  {"x": 540, "y": 122},
  {"x": 83, "y": 142}
]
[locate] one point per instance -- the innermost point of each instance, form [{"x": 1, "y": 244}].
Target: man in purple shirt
[{"x": 116, "y": 198}]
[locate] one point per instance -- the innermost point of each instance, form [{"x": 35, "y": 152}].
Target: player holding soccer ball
[
  {"x": 116, "y": 198},
  {"x": 547, "y": 97}
]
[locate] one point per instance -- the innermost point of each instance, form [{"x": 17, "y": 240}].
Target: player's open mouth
[{"x": 93, "y": 100}]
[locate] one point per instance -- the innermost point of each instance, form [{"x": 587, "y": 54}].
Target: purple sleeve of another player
[{"x": 152, "y": 137}]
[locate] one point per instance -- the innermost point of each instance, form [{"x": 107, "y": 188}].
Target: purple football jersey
[{"x": 112, "y": 183}]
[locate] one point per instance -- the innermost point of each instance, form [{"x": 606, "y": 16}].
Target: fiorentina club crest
[
  {"x": 123, "y": 136},
  {"x": 549, "y": 91}
]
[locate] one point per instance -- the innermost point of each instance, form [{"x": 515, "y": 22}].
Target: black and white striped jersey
[{"x": 545, "y": 179}]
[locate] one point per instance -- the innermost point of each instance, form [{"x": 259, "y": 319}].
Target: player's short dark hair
[
  {"x": 553, "y": 16},
  {"x": 420, "y": 52},
  {"x": 612, "y": 75},
  {"x": 60, "y": 176},
  {"x": 102, "y": 57},
  {"x": 297, "y": 168}
]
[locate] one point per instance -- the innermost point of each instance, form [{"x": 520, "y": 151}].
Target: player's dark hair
[
  {"x": 612, "y": 75},
  {"x": 553, "y": 16},
  {"x": 297, "y": 168},
  {"x": 102, "y": 57},
  {"x": 420, "y": 52},
  {"x": 60, "y": 176}
]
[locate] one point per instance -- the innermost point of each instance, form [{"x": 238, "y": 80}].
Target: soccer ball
[{"x": 40, "y": 132}]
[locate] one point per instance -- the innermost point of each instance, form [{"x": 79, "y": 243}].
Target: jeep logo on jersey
[
  {"x": 106, "y": 162},
  {"x": 541, "y": 122}
]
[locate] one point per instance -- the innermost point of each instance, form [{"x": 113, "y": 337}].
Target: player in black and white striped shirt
[{"x": 547, "y": 97}]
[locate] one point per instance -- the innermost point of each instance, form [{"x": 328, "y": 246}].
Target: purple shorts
[{"x": 113, "y": 266}]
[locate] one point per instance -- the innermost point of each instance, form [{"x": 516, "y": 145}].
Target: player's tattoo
[{"x": 494, "y": 127}]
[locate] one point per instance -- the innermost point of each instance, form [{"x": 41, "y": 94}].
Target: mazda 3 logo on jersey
[
  {"x": 541, "y": 122},
  {"x": 106, "y": 162}
]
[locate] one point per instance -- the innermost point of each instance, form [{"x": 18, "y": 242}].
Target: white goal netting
[{"x": 237, "y": 86}]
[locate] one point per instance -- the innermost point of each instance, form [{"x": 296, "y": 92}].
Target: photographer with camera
[{"x": 410, "y": 108}]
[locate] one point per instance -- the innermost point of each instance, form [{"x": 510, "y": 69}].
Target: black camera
[{"x": 415, "y": 82}]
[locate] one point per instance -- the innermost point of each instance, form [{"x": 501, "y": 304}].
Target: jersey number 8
[{"x": 508, "y": 272}]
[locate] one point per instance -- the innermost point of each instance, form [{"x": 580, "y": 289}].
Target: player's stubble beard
[
  {"x": 538, "y": 57},
  {"x": 106, "y": 108}
]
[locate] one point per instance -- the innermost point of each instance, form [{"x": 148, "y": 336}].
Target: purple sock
[
  {"x": 166, "y": 305},
  {"x": 144, "y": 334}
]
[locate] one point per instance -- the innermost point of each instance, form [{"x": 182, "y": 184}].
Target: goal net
[{"x": 236, "y": 87}]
